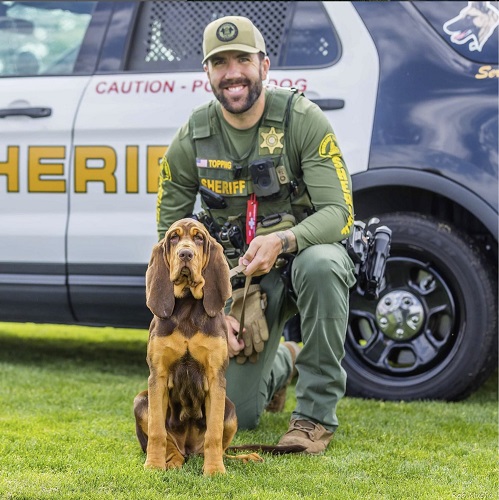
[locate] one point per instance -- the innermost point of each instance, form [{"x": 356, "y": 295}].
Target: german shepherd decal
[{"x": 474, "y": 24}]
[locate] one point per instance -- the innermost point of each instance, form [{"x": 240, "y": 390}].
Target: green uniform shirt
[{"x": 313, "y": 156}]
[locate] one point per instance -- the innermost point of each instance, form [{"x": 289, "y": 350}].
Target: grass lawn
[{"x": 67, "y": 432}]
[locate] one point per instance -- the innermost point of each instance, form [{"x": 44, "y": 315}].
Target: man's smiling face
[{"x": 236, "y": 79}]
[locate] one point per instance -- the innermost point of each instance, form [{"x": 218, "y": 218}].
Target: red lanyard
[{"x": 251, "y": 211}]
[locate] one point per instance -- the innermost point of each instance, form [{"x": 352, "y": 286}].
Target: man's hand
[
  {"x": 264, "y": 250},
  {"x": 234, "y": 344}
]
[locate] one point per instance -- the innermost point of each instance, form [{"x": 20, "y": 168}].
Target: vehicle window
[
  {"x": 41, "y": 38},
  {"x": 169, "y": 35},
  {"x": 470, "y": 28}
]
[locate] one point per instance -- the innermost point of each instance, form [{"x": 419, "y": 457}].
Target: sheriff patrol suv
[{"x": 91, "y": 94}]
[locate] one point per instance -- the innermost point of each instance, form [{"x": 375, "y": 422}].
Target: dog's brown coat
[{"x": 185, "y": 410}]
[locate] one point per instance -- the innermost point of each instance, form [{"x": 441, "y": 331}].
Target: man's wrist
[{"x": 288, "y": 241}]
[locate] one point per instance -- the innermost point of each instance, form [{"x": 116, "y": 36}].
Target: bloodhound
[{"x": 185, "y": 410}]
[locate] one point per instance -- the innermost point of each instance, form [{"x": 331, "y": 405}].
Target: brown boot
[
  {"x": 314, "y": 437},
  {"x": 278, "y": 401}
]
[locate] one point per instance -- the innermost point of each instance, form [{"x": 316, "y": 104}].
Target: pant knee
[
  {"x": 323, "y": 269},
  {"x": 248, "y": 416}
]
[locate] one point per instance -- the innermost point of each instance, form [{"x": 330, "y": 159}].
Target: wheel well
[{"x": 388, "y": 199}]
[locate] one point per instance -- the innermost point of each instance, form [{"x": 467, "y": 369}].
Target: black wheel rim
[{"x": 411, "y": 329}]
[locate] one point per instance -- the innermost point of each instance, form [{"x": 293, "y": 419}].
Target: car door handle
[
  {"x": 31, "y": 112},
  {"x": 329, "y": 104}
]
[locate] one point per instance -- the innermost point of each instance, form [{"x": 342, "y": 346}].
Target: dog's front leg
[
  {"x": 158, "y": 403},
  {"x": 215, "y": 408}
]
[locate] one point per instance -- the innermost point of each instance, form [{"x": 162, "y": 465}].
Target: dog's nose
[{"x": 185, "y": 254}]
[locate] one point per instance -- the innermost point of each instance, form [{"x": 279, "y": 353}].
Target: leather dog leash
[
  {"x": 236, "y": 270},
  {"x": 232, "y": 273}
]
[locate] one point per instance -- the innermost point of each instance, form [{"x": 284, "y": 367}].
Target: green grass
[{"x": 67, "y": 432}]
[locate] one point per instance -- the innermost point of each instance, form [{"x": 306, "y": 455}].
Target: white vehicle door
[
  {"x": 39, "y": 96},
  {"x": 148, "y": 81}
]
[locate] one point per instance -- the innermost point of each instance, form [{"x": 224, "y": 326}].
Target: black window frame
[{"x": 110, "y": 63}]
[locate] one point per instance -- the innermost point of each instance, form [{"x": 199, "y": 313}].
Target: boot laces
[{"x": 304, "y": 426}]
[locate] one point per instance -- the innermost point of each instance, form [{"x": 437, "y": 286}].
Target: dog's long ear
[
  {"x": 159, "y": 289},
  {"x": 217, "y": 288}
]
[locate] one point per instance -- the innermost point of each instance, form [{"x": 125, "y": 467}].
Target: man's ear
[{"x": 265, "y": 68}]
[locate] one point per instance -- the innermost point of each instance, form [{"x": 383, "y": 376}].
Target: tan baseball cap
[{"x": 232, "y": 33}]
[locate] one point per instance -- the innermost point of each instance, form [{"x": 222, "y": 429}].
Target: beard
[{"x": 240, "y": 105}]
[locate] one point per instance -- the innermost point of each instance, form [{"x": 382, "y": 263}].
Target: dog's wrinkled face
[
  {"x": 187, "y": 260},
  {"x": 187, "y": 254}
]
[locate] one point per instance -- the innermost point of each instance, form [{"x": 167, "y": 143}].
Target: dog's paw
[
  {"x": 175, "y": 462},
  {"x": 154, "y": 465},
  {"x": 211, "y": 470}
]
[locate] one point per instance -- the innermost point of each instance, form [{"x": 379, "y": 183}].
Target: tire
[{"x": 432, "y": 333}]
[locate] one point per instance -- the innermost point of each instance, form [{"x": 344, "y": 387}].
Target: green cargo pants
[{"x": 322, "y": 276}]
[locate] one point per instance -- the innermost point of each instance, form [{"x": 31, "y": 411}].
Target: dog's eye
[
  {"x": 198, "y": 238},
  {"x": 174, "y": 238}
]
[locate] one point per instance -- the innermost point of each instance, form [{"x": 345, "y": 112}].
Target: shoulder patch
[
  {"x": 165, "y": 169},
  {"x": 329, "y": 147}
]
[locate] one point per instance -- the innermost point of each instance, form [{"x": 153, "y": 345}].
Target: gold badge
[{"x": 271, "y": 140}]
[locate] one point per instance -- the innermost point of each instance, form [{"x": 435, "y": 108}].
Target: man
[{"x": 247, "y": 131}]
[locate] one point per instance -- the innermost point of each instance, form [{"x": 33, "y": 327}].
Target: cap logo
[{"x": 226, "y": 32}]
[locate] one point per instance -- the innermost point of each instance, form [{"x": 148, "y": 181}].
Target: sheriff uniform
[{"x": 311, "y": 184}]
